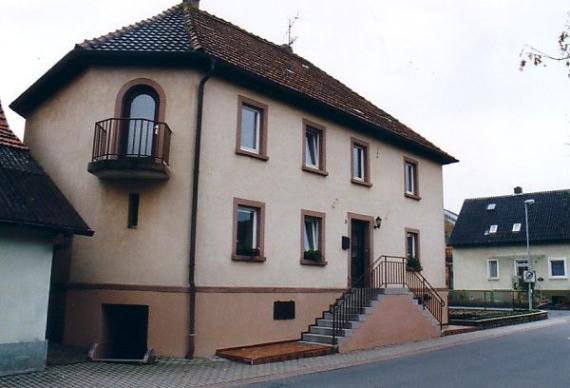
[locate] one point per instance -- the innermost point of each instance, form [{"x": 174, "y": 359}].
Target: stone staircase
[{"x": 321, "y": 332}]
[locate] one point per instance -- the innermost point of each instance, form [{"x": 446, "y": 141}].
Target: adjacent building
[
  {"x": 489, "y": 243},
  {"x": 226, "y": 176},
  {"x": 34, "y": 217}
]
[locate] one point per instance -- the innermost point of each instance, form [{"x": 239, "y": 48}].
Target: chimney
[
  {"x": 192, "y": 3},
  {"x": 518, "y": 190}
]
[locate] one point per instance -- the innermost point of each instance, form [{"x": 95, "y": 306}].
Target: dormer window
[
  {"x": 516, "y": 228},
  {"x": 491, "y": 206},
  {"x": 493, "y": 229}
]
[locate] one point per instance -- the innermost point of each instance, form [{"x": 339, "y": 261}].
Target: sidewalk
[{"x": 201, "y": 372}]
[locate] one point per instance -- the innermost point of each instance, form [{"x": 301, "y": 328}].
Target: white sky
[{"x": 448, "y": 69}]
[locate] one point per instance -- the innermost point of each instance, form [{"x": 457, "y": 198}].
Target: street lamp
[{"x": 526, "y": 205}]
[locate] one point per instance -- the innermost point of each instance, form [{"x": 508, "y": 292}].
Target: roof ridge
[
  {"x": 517, "y": 195},
  {"x": 113, "y": 34},
  {"x": 192, "y": 32}
]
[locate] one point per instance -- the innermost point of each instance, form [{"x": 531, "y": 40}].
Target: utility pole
[{"x": 526, "y": 204}]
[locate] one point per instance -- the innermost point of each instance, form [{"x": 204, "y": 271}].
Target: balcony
[{"x": 130, "y": 149}]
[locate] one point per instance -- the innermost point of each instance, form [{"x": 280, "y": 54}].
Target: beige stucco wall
[
  {"x": 60, "y": 134},
  {"x": 25, "y": 265},
  {"x": 167, "y": 320},
  {"x": 470, "y": 266},
  {"x": 286, "y": 189},
  {"x": 225, "y": 320}
]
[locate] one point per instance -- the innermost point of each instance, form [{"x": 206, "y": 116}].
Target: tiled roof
[
  {"x": 183, "y": 29},
  {"x": 7, "y": 137},
  {"x": 549, "y": 220},
  {"x": 27, "y": 195}
]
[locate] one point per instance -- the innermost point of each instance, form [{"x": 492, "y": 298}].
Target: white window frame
[
  {"x": 520, "y": 263},
  {"x": 315, "y": 231},
  {"x": 259, "y": 111},
  {"x": 411, "y": 171},
  {"x": 362, "y": 151},
  {"x": 517, "y": 227},
  {"x": 255, "y": 212},
  {"x": 550, "y": 260},
  {"x": 489, "y": 277},
  {"x": 493, "y": 229},
  {"x": 491, "y": 206},
  {"x": 318, "y": 139}
]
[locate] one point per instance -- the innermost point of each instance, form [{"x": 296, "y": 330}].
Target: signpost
[{"x": 529, "y": 277}]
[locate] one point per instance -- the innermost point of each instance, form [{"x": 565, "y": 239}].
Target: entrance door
[{"x": 359, "y": 252}]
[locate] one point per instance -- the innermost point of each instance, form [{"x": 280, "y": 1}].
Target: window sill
[
  {"x": 493, "y": 279},
  {"x": 558, "y": 278},
  {"x": 239, "y": 151},
  {"x": 412, "y": 196},
  {"x": 252, "y": 259},
  {"x": 314, "y": 171},
  {"x": 361, "y": 183},
  {"x": 321, "y": 263}
]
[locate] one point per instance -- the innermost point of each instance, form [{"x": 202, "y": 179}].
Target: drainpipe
[{"x": 194, "y": 215}]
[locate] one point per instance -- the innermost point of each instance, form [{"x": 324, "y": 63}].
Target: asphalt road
[{"x": 536, "y": 358}]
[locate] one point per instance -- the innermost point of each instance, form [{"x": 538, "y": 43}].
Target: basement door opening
[{"x": 125, "y": 331}]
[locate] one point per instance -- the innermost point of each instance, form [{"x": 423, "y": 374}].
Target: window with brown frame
[
  {"x": 314, "y": 148},
  {"x": 312, "y": 238},
  {"x": 251, "y": 139},
  {"x": 411, "y": 181},
  {"x": 248, "y": 230},
  {"x": 360, "y": 163},
  {"x": 412, "y": 244}
]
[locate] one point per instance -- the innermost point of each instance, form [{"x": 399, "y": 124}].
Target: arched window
[{"x": 140, "y": 106}]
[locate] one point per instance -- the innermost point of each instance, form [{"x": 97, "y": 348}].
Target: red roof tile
[{"x": 7, "y": 137}]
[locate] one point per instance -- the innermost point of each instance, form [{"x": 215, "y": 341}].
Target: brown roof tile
[{"x": 7, "y": 137}]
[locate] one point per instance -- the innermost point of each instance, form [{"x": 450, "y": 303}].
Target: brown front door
[{"x": 359, "y": 252}]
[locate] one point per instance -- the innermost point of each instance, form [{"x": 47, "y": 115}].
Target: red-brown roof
[
  {"x": 7, "y": 137},
  {"x": 184, "y": 29}
]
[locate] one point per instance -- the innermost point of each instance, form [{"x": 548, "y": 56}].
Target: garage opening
[{"x": 125, "y": 331}]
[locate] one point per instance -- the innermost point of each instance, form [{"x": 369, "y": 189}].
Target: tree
[{"x": 536, "y": 57}]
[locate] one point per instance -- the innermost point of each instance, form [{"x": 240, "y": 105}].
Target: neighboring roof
[
  {"x": 450, "y": 216},
  {"x": 28, "y": 196},
  {"x": 549, "y": 220},
  {"x": 184, "y": 29}
]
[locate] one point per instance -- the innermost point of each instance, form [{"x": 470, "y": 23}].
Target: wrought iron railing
[
  {"x": 385, "y": 271},
  {"x": 119, "y": 138}
]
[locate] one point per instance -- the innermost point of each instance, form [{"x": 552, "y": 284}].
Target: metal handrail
[
  {"x": 118, "y": 138},
  {"x": 385, "y": 270}
]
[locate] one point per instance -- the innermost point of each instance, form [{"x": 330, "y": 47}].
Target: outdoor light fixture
[{"x": 377, "y": 222}]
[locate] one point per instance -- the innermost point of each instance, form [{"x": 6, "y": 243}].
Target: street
[{"x": 537, "y": 358}]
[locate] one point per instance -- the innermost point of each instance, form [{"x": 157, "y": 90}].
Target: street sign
[{"x": 529, "y": 276}]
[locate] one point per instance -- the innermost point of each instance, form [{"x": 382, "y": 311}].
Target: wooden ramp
[
  {"x": 278, "y": 351},
  {"x": 457, "y": 329}
]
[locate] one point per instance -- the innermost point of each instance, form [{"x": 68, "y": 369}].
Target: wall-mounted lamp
[{"x": 377, "y": 223}]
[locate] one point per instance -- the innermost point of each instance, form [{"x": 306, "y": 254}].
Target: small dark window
[
  {"x": 284, "y": 310},
  {"x": 133, "y": 210}
]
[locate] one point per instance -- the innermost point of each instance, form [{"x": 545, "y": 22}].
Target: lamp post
[{"x": 526, "y": 204}]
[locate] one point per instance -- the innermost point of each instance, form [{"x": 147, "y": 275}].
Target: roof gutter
[{"x": 194, "y": 211}]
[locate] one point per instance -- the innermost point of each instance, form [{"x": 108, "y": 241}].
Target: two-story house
[
  {"x": 490, "y": 243},
  {"x": 231, "y": 183}
]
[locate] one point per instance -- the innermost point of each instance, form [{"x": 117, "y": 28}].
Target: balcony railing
[
  {"x": 130, "y": 148},
  {"x": 131, "y": 138}
]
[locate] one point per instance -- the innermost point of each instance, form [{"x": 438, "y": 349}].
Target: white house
[{"x": 33, "y": 212}]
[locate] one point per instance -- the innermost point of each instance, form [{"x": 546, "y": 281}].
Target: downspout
[{"x": 194, "y": 215}]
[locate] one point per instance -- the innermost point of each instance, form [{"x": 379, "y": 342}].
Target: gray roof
[{"x": 549, "y": 220}]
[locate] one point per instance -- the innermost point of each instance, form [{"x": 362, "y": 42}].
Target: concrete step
[
  {"x": 329, "y": 323},
  {"x": 350, "y": 317},
  {"x": 355, "y": 310},
  {"x": 319, "y": 338},
  {"x": 328, "y": 331}
]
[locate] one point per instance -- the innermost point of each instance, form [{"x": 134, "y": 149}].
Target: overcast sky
[{"x": 448, "y": 69}]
